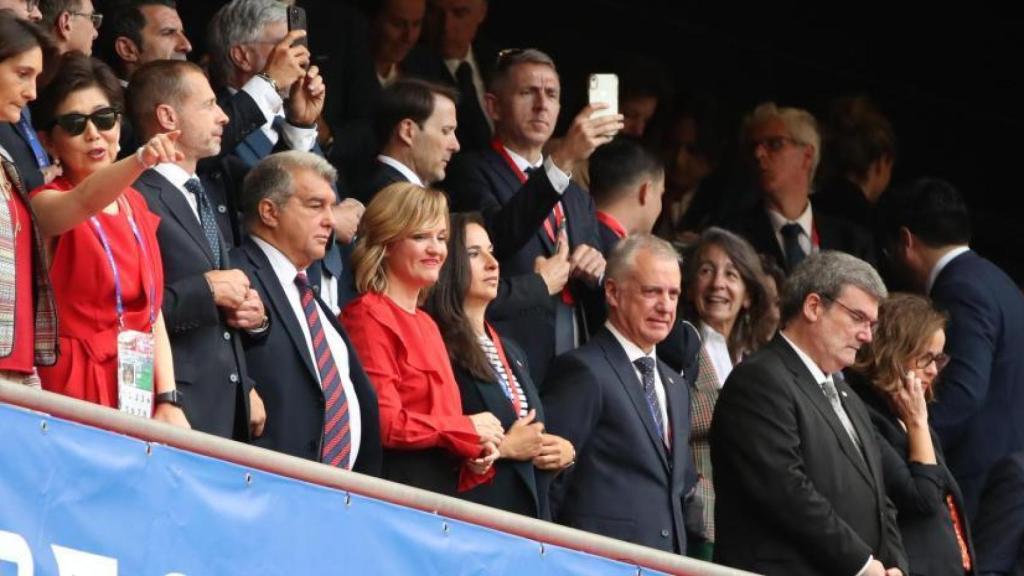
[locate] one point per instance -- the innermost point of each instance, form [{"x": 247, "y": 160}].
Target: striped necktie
[{"x": 337, "y": 438}]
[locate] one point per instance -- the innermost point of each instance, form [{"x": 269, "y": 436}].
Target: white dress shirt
[
  {"x": 402, "y": 169},
  {"x": 286, "y": 273},
  {"x": 177, "y": 176},
  {"x": 634, "y": 352},
  {"x": 718, "y": 351}
]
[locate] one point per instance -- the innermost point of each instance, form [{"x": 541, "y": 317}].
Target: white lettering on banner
[
  {"x": 70, "y": 562},
  {"x": 14, "y": 549}
]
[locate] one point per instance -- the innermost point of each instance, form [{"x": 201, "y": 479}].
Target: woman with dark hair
[
  {"x": 101, "y": 237},
  {"x": 726, "y": 298},
  {"x": 429, "y": 442},
  {"x": 895, "y": 375},
  {"x": 28, "y": 318},
  {"x": 492, "y": 373}
]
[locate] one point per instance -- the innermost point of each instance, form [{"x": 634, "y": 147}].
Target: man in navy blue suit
[
  {"x": 542, "y": 225},
  {"x": 626, "y": 412},
  {"x": 926, "y": 230}
]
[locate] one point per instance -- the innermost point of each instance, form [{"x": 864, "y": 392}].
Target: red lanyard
[
  {"x": 510, "y": 389},
  {"x": 611, "y": 223}
]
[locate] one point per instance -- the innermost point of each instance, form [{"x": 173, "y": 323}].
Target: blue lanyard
[{"x": 113, "y": 265}]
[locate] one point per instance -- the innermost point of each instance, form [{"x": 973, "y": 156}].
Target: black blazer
[
  {"x": 287, "y": 379},
  {"x": 919, "y": 493},
  {"x": 999, "y": 529},
  {"x": 793, "y": 494},
  {"x": 209, "y": 364},
  {"x": 380, "y": 177},
  {"x": 515, "y": 484},
  {"x": 978, "y": 399},
  {"x": 834, "y": 234},
  {"x": 625, "y": 484},
  {"x": 514, "y": 213}
]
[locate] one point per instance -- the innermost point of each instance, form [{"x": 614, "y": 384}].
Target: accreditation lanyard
[
  {"x": 508, "y": 386},
  {"x": 105, "y": 242}
]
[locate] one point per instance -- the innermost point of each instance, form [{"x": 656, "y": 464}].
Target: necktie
[
  {"x": 646, "y": 367},
  {"x": 206, "y": 218},
  {"x": 337, "y": 440},
  {"x": 828, "y": 387},
  {"x": 27, "y": 132},
  {"x": 791, "y": 243}
]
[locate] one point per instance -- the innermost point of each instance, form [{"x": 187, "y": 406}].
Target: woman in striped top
[{"x": 493, "y": 375}]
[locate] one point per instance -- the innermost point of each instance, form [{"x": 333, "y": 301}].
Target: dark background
[{"x": 950, "y": 81}]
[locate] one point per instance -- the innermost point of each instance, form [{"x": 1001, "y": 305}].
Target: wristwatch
[
  {"x": 270, "y": 80},
  {"x": 172, "y": 397}
]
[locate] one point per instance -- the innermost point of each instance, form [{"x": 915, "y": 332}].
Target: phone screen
[{"x": 297, "y": 21}]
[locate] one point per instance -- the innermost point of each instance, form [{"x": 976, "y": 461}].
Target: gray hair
[
  {"x": 623, "y": 256},
  {"x": 800, "y": 124},
  {"x": 512, "y": 57},
  {"x": 239, "y": 22},
  {"x": 826, "y": 274},
  {"x": 272, "y": 179}
]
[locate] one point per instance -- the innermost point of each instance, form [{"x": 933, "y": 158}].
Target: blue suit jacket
[
  {"x": 625, "y": 484},
  {"x": 980, "y": 395},
  {"x": 999, "y": 531}
]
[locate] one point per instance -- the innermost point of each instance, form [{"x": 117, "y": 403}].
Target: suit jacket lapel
[
  {"x": 812, "y": 390},
  {"x": 279, "y": 301},
  {"x": 678, "y": 415},
  {"x": 179, "y": 208},
  {"x": 865, "y": 430},
  {"x": 627, "y": 377}
]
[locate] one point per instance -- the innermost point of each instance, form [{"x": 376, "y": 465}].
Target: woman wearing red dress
[
  {"x": 428, "y": 441},
  {"x": 105, "y": 263}
]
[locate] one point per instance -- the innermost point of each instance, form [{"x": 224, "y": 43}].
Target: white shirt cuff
[
  {"x": 865, "y": 568},
  {"x": 299, "y": 138},
  {"x": 559, "y": 180},
  {"x": 268, "y": 100}
]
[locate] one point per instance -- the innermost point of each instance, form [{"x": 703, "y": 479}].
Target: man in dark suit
[
  {"x": 542, "y": 225},
  {"x": 205, "y": 301},
  {"x": 416, "y": 122},
  {"x": 454, "y": 55},
  {"x": 798, "y": 476},
  {"x": 999, "y": 529},
  {"x": 785, "y": 146},
  {"x": 627, "y": 413},
  {"x": 926, "y": 229},
  {"x": 320, "y": 404}
]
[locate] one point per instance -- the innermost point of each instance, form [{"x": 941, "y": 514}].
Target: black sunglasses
[{"x": 74, "y": 124}]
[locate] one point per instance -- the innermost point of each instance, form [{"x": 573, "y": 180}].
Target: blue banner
[{"x": 76, "y": 500}]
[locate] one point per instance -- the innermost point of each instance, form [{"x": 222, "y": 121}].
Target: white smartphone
[{"x": 605, "y": 88}]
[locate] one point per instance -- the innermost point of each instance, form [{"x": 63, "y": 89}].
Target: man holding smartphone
[{"x": 518, "y": 188}]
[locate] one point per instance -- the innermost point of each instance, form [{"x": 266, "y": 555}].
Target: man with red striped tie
[{"x": 320, "y": 404}]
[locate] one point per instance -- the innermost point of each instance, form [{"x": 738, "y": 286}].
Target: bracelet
[
  {"x": 270, "y": 80},
  {"x": 138, "y": 157}
]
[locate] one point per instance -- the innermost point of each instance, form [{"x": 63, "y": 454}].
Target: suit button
[
  {"x": 227, "y": 335},
  {"x": 665, "y": 533},
  {"x": 233, "y": 378},
  {"x": 222, "y": 208}
]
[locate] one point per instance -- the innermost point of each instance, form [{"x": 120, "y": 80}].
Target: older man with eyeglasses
[{"x": 784, "y": 148}]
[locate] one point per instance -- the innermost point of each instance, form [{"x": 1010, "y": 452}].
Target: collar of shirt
[
  {"x": 177, "y": 176},
  {"x": 284, "y": 269},
  {"x": 718, "y": 352},
  {"x": 402, "y": 168},
  {"x": 632, "y": 350},
  {"x": 390, "y": 78},
  {"x": 523, "y": 163},
  {"x": 816, "y": 372},
  {"x": 453, "y": 63},
  {"x": 805, "y": 220},
  {"x": 942, "y": 263}
]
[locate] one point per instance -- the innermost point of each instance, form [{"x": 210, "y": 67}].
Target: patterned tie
[
  {"x": 828, "y": 387},
  {"x": 337, "y": 441},
  {"x": 791, "y": 243},
  {"x": 206, "y": 218},
  {"x": 645, "y": 365}
]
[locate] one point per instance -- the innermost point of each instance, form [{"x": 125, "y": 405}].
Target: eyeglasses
[
  {"x": 856, "y": 315},
  {"x": 774, "y": 144},
  {"x": 95, "y": 17},
  {"x": 74, "y": 124},
  {"x": 941, "y": 360}
]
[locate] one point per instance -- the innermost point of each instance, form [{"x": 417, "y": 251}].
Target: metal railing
[{"x": 400, "y": 494}]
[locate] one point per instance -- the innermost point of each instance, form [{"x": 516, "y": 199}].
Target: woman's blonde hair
[
  {"x": 395, "y": 212},
  {"x": 905, "y": 324}
]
